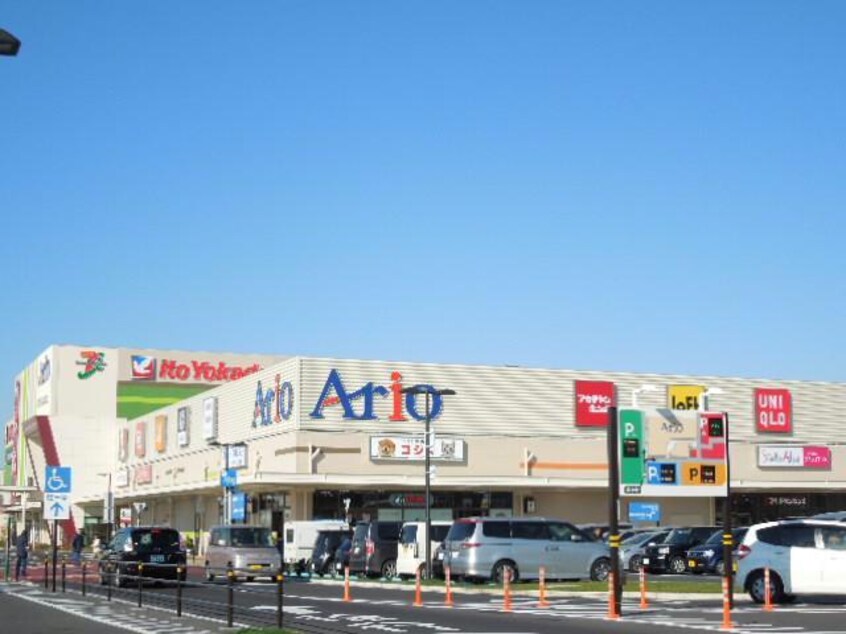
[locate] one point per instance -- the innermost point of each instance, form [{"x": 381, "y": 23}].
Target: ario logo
[
  {"x": 335, "y": 393},
  {"x": 274, "y": 404}
]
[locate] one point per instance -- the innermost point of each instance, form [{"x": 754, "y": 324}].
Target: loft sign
[{"x": 336, "y": 393}]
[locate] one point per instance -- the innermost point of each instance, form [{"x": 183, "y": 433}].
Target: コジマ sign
[
  {"x": 773, "y": 410},
  {"x": 593, "y": 398}
]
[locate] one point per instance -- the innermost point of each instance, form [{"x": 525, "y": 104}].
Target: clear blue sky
[{"x": 649, "y": 186}]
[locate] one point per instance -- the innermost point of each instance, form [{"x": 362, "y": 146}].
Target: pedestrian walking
[
  {"x": 76, "y": 548},
  {"x": 22, "y": 552}
]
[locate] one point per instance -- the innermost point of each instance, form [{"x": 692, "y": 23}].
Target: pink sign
[
  {"x": 816, "y": 458},
  {"x": 593, "y": 398},
  {"x": 773, "y": 410}
]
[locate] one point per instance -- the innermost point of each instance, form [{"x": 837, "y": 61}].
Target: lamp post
[
  {"x": 427, "y": 446},
  {"x": 647, "y": 387},
  {"x": 224, "y": 479},
  {"x": 9, "y": 44},
  {"x": 703, "y": 399}
]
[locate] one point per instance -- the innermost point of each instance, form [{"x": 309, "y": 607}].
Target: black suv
[
  {"x": 374, "y": 549},
  {"x": 158, "y": 549},
  {"x": 670, "y": 555},
  {"x": 325, "y": 545}
]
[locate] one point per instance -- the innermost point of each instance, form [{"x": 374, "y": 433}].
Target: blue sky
[{"x": 647, "y": 186}]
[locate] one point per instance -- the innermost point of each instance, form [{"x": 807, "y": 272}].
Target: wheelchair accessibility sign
[{"x": 57, "y": 480}]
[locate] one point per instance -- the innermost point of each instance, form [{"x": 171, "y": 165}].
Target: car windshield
[
  {"x": 461, "y": 531},
  {"x": 246, "y": 536},
  {"x": 716, "y": 539},
  {"x": 155, "y": 538},
  {"x": 638, "y": 539},
  {"x": 679, "y": 536}
]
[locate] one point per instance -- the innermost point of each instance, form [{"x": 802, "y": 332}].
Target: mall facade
[{"x": 312, "y": 438}]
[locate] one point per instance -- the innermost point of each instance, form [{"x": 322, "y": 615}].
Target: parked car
[
  {"x": 342, "y": 556},
  {"x": 298, "y": 541},
  {"x": 835, "y": 516},
  {"x": 669, "y": 556},
  {"x": 250, "y": 550},
  {"x": 411, "y": 553},
  {"x": 374, "y": 548},
  {"x": 709, "y": 556},
  {"x": 632, "y": 549},
  {"x": 159, "y": 549},
  {"x": 325, "y": 546},
  {"x": 804, "y": 557},
  {"x": 484, "y": 548},
  {"x": 438, "y": 561},
  {"x": 599, "y": 532}
]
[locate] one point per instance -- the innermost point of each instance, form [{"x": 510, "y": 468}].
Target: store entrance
[
  {"x": 753, "y": 508},
  {"x": 410, "y": 505}
]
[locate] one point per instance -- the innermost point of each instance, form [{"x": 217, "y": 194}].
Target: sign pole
[
  {"x": 728, "y": 546},
  {"x": 613, "y": 507},
  {"x": 55, "y": 550}
]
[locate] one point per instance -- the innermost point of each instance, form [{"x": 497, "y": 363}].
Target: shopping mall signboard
[
  {"x": 413, "y": 448},
  {"x": 672, "y": 453},
  {"x": 792, "y": 457}
]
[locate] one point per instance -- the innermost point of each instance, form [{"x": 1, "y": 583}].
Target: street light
[
  {"x": 427, "y": 446},
  {"x": 9, "y": 44},
  {"x": 109, "y": 506},
  {"x": 703, "y": 403},
  {"x": 648, "y": 387},
  {"x": 224, "y": 479}
]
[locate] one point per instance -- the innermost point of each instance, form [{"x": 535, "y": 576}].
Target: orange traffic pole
[
  {"x": 448, "y": 601},
  {"x": 727, "y": 624},
  {"x": 418, "y": 592},
  {"x": 644, "y": 601},
  {"x": 542, "y": 602},
  {"x": 612, "y": 603},
  {"x": 506, "y": 581},
  {"x": 768, "y": 596},
  {"x": 347, "y": 595}
]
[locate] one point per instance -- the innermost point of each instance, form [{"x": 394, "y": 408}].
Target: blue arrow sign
[
  {"x": 644, "y": 512},
  {"x": 229, "y": 479},
  {"x": 239, "y": 507},
  {"x": 57, "y": 508},
  {"x": 57, "y": 480}
]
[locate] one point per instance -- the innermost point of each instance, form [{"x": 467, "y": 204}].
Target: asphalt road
[
  {"x": 319, "y": 607},
  {"x": 22, "y": 616}
]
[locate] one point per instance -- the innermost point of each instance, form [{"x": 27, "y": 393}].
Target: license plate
[
  {"x": 440, "y": 556},
  {"x": 256, "y": 566},
  {"x": 691, "y": 563},
  {"x": 157, "y": 559},
  {"x": 645, "y": 561}
]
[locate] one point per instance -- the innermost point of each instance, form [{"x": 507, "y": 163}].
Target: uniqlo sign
[
  {"x": 593, "y": 398},
  {"x": 773, "y": 410}
]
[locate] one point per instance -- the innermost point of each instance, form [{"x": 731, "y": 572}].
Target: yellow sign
[
  {"x": 684, "y": 396},
  {"x": 161, "y": 433},
  {"x": 699, "y": 473}
]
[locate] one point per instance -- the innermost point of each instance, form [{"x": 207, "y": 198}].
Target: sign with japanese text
[
  {"x": 672, "y": 453},
  {"x": 684, "y": 396},
  {"x": 140, "y": 439},
  {"x": 122, "y": 478},
  {"x": 161, "y": 434},
  {"x": 210, "y": 418},
  {"x": 412, "y": 448},
  {"x": 792, "y": 457},
  {"x": 182, "y": 437},
  {"x": 123, "y": 444},
  {"x": 237, "y": 456},
  {"x": 144, "y": 474},
  {"x": 593, "y": 398},
  {"x": 773, "y": 411}
]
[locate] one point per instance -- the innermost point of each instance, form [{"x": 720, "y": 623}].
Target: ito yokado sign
[{"x": 672, "y": 453}]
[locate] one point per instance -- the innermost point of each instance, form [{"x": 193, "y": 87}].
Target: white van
[
  {"x": 299, "y": 541},
  {"x": 411, "y": 553}
]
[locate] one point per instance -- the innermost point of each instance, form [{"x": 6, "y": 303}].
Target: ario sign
[
  {"x": 146, "y": 368},
  {"x": 672, "y": 453},
  {"x": 403, "y": 406}
]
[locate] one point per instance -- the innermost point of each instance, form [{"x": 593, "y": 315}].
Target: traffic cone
[
  {"x": 727, "y": 624},
  {"x": 644, "y": 601},
  {"x": 542, "y": 602},
  {"x": 418, "y": 592},
  {"x": 768, "y": 593},
  {"x": 612, "y": 599},
  {"x": 448, "y": 601},
  {"x": 347, "y": 594},
  {"x": 506, "y": 581}
]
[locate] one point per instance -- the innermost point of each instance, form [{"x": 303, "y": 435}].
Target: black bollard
[
  {"x": 140, "y": 585},
  {"x": 179, "y": 591},
  {"x": 84, "y": 569},
  {"x": 105, "y": 571},
  {"x": 64, "y": 563},
  {"x": 279, "y": 580},
  {"x": 46, "y": 574},
  {"x": 230, "y": 594}
]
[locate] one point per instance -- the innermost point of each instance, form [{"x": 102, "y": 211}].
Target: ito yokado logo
[{"x": 92, "y": 362}]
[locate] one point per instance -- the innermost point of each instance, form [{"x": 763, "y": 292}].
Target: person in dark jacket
[
  {"x": 22, "y": 551},
  {"x": 76, "y": 548}
]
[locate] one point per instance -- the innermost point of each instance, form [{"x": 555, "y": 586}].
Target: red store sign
[
  {"x": 593, "y": 398},
  {"x": 773, "y": 411}
]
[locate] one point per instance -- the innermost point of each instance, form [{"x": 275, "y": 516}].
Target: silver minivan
[
  {"x": 483, "y": 548},
  {"x": 250, "y": 550}
]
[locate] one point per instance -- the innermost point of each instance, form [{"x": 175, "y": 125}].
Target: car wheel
[
  {"x": 499, "y": 569},
  {"x": 757, "y": 589},
  {"x": 635, "y": 563},
  {"x": 389, "y": 569},
  {"x": 251, "y": 578},
  {"x": 720, "y": 568},
  {"x": 677, "y": 565},
  {"x": 600, "y": 569}
]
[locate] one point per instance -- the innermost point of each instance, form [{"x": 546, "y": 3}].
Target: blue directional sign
[
  {"x": 644, "y": 512},
  {"x": 239, "y": 507},
  {"x": 229, "y": 479},
  {"x": 57, "y": 480}
]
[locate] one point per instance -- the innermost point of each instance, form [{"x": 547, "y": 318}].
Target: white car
[
  {"x": 804, "y": 557},
  {"x": 411, "y": 554}
]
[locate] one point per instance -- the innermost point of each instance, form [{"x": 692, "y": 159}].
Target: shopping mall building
[{"x": 331, "y": 438}]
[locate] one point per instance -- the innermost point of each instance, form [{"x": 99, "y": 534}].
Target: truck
[{"x": 298, "y": 541}]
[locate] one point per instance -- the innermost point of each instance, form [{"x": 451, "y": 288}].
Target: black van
[
  {"x": 159, "y": 549},
  {"x": 374, "y": 549},
  {"x": 670, "y": 556},
  {"x": 325, "y": 545}
]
